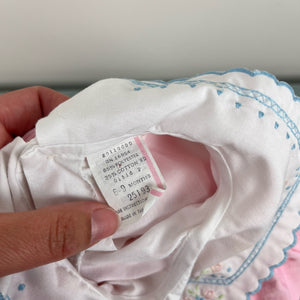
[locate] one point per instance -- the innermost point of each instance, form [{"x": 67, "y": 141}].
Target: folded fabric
[{"x": 204, "y": 173}]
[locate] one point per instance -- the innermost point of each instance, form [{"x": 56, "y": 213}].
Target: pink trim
[
  {"x": 155, "y": 193},
  {"x": 149, "y": 162}
]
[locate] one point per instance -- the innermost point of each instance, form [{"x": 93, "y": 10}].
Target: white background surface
[{"x": 79, "y": 42}]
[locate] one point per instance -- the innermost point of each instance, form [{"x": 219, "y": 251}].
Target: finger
[
  {"x": 33, "y": 238},
  {"x": 21, "y": 109}
]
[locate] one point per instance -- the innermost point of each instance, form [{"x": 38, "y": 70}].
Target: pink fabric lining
[
  {"x": 185, "y": 167},
  {"x": 285, "y": 283}
]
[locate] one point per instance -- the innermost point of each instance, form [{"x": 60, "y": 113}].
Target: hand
[{"x": 33, "y": 238}]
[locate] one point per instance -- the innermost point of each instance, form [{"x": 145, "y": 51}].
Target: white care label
[{"x": 128, "y": 178}]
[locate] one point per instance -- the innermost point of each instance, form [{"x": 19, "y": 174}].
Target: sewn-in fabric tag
[{"x": 128, "y": 178}]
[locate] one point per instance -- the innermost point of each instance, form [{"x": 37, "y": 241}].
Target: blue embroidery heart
[
  {"x": 238, "y": 104},
  {"x": 219, "y": 92},
  {"x": 276, "y": 125},
  {"x": 21, "y": 287},
  {"x": 137, "y": 88},
  {"x": 260, "y": 114},
  {"x": 287, "y": 136},
  {"x": 293, "y": 147},
  {"x": 4, "y": 298}
]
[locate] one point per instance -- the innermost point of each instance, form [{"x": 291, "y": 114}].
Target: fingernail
[{"x": 104, "y": 223}]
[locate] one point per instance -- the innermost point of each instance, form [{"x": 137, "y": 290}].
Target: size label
[{"x": 128, "y": 178}]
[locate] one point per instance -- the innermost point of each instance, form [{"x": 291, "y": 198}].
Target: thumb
[{"x": 33, "y": 238}]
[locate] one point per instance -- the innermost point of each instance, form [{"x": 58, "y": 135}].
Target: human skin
[{"x": 33, "y": 238}]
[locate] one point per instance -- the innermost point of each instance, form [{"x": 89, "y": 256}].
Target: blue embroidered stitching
[
  {"x": 270, "y": 103},
  {"x": 285, "y": 250},
  {"x": 234, "y": 70},
  {"x": 253, "y": 94},
  {"x": 259, "y": 245}
]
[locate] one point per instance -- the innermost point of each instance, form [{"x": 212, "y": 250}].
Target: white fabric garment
[{"x": 209, "y": 239}]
